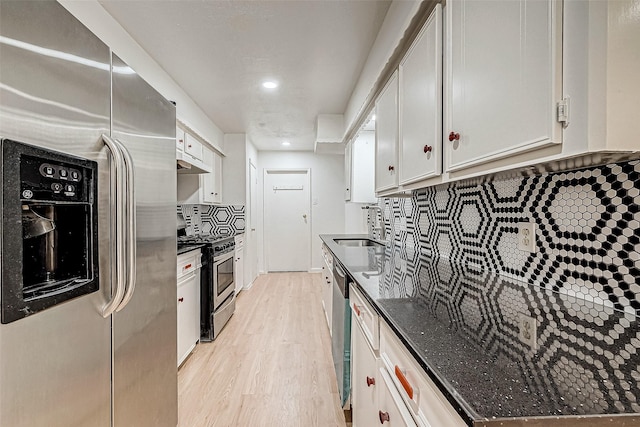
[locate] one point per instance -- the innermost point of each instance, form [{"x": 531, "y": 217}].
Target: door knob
[{"x": 304, "y": 216}]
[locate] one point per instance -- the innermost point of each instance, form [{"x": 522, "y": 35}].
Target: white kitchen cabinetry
[
  {"x": 392, "y": 411},
  {"x": 386, "y": 177},
  {"x": 347, "y": 171},
  {"x": 421, "y": 104},
  {"x": 365, "y": 375},
  {"x": 238, "y": 264},
  {"x": 179, "y": 139},
  {"x": 205, "y": 188},
  {"x": 193, "y": 147},
  {"x": 188, "y": 294},
  {"x": 211, "y": 183},
  {"x": 504, "y": 79},
  {"x": 327, "y": 285},
  {"x": 363, "y": 167}
]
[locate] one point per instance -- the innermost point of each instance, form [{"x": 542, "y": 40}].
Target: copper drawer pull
[
  {"x": 405, "y": 383},
  {"x": 371, "y": 381},
  {"x": 384, "y": 416}
]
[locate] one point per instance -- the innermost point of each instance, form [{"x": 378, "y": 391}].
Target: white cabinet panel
[
  {"x": 193, "y": 147},
  {"x": 188, "y": 314},
  {"x": 238, "y": 273},
  {"x": 504, "y": 79},
  {"x": 211, "y": 183},
  {"x": 365, "y": 379},
  {"x": 421, "y": 104},
  {"x": 387, "y": 136},
  {"x": 179, "y": 139},
  {"x": 347, "y": 171},
  {"x": 363, "y": 167}
]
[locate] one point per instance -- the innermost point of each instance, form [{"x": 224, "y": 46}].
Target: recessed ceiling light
[
  {"x": 270, "y": 85},
  {"x": 286, "y": 143}
]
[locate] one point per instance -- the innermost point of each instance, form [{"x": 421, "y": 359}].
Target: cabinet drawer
[
  {"x": 366, "y": 317},
  {"x": 392, "y": 411},
  {"x": 424, "y": 400},
  {"x": 193, "y": 147},
  {"x": 188, "y": 262}
]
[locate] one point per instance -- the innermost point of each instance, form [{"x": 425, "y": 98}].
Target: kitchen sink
[{"x": 358, "y": 242}]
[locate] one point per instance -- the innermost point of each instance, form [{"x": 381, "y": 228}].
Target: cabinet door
[
  {"x": 217, "y": 178},
  {"x": 238, "y": 274},
  {"x": 365, "y": 379},
  {"x": 193, "y": 147},
  {"x": 327, "y": 293},
  {"x": 362, "y": 168},
  {"x": 504, "y": 79},
  {"x": 188, "y": 314},
  {"x": 347, "y": 171},
  {"x": 179, "y": 139},
  {"x": 421, "y": 104},
  {"x": 207, "y": 180},
  {"x": 387, "y": 136}
]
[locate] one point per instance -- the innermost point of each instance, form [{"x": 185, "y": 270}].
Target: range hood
[{"x": 187, "y": 164}]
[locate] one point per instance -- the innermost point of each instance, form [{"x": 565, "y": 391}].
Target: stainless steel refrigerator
[{"x": 99, "y": 350}]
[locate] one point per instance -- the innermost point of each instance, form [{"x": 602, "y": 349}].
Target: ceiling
[{"x": 220, "y": 52}]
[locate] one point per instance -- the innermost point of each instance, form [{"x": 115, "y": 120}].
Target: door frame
[{"x": 266, "y": 239}]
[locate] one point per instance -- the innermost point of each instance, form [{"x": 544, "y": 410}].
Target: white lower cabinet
[
  {"x": 188, "y": 295},
  {"x": 365, "y": 378},
  {"x": 238, "y": 264},
  {"x": 390, "y": 388}
]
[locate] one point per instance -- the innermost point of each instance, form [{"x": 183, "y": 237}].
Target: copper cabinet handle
[
  {"x": 428, "y": 148},
  {"x": 371, "y": 381},
  {"x": 356, "y": 309},
  {"x": 405, "y": 383},
  {"x": 180, "y": 299},
  {"x": 384, "y": 416},
  {"x": 391, "y": 168},
  {"x": 454, "y": 136}
]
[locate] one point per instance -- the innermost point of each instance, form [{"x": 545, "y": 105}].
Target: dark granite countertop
[
  {"x": 189, "y": 248},
  {"x": 462, "y": 326}
]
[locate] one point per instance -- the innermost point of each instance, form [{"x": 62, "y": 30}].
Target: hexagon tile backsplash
[
  {"x": 587, "y": 227},
  {"x": 205, "y": 219},
  {"x": 455, "y": 247}
]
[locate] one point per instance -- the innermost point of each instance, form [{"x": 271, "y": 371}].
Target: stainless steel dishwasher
[{"x": 341, "y": 331}]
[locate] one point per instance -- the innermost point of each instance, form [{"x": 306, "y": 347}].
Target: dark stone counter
[{"x": 462, "y": 325}]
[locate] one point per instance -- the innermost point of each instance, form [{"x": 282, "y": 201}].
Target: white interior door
[{"x": 287, "y": 220}]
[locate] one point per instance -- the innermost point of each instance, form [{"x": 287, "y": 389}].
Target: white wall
[
  {"x": 391, "y": 32},
  {"x": 102, "y": 24},
  {"x": 327, "y": 199},
  {"x": 355, "y": 218}
]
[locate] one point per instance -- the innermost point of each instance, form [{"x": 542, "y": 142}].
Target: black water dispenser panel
[{"x": 49, "y": 222}]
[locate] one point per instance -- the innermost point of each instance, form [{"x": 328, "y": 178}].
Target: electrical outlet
[
  {"x": 528, "y": 330},
  {"x": 527, "y": 236}
]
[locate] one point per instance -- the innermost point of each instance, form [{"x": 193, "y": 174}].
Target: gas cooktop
[{"x": 203, "y": 238}]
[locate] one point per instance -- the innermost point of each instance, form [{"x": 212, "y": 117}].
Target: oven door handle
[
  {"x": 130, "y": 222},
  {"x": 222, "y": 258},
  {"x": 118, "y": 234}
]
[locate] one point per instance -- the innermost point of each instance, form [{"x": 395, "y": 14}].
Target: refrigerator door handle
[
  {"x": 130, "y": 222},
  {"x": 120, "y": 191}
]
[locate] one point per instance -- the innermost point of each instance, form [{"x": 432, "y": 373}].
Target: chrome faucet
[{"x": 381, "y": 227}]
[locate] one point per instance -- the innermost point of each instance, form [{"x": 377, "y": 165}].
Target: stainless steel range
[{"x": 217, "y": 283}]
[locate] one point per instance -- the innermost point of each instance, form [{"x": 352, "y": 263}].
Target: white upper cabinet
[
  {"x": 386, "y": 176},
  {"x": 347, "y": 171},
  {"x": 421, "y": 104},
  {"x": 504, "y": 79},
  {"x": 211, "y": 183}
]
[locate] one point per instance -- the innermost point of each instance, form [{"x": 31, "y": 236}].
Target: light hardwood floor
[{"x": 270, "y": 366}]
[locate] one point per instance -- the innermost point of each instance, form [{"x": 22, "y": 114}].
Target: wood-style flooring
[{"x": 270, "y": 366}]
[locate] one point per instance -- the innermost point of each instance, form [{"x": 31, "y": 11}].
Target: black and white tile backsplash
[
  {"x": 205, "y": 219},
  {"x": 587, "y": 229},
  {"x": 455, "y": 248}
]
